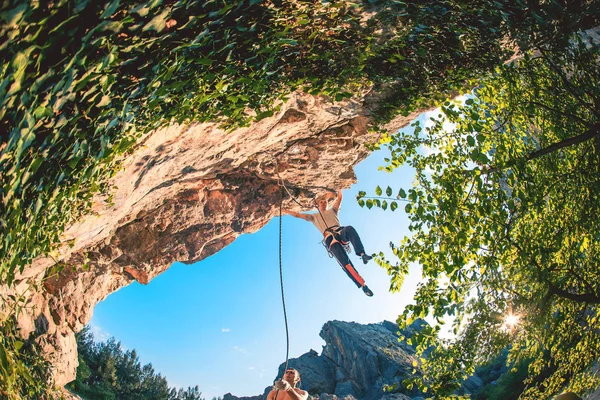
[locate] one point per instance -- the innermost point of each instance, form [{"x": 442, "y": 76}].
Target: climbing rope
[
  {"x": 282, "y": 184},
  {"x": 287, "y": 334}
]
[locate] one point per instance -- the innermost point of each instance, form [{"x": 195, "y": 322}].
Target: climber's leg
[
  {"x": 349, "y": 234},
  {"x": 340, "y": 254}
]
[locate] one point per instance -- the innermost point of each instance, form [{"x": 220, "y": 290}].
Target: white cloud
[
  {"x": 240, "y": 349},
  {"x": 225, "y": 329},
  {"x": 100, "y": 335}
]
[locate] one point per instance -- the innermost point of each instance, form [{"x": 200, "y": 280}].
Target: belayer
[
  {"x": 287, "y": 385},
  {"x": 335, "y": 236}
]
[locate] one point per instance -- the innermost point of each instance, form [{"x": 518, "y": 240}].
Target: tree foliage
[
  {"x": 106, "y": 371},
  {"x": 504, "y": 221},
  {"x": 24, "y": 374}
]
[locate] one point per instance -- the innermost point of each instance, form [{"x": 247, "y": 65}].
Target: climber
[
  {"x": 285, "y": 388},
  {"x": 336, "y": 236}
]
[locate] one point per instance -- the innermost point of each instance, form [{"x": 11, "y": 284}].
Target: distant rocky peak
[{"x": 357, "y": 361}]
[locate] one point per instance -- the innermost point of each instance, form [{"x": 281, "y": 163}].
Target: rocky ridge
[{"x": 357, "y": 362}]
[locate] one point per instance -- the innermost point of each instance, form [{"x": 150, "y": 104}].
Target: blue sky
[{"x": 219, "y": 323}]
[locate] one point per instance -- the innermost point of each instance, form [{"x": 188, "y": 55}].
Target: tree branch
[
  {"x": 587, "y": 135},
  {"x": 590, "y": 298}
]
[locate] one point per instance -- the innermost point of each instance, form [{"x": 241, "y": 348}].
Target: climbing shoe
[
  {"x": 367, "y": 291},
  {"x": 366, "y": 258}
]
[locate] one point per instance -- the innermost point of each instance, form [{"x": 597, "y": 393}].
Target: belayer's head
[{"x": 292, "y": 376}]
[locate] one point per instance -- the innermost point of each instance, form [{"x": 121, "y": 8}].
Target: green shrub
[{"x": 23, "y": 372}]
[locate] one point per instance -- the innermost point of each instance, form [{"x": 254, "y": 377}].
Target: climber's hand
[{"x": 283, "y": 385}]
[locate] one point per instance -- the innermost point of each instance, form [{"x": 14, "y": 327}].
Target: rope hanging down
[
  {"x": 282, "y": 186},
  {"x": 287, "y": 335}
]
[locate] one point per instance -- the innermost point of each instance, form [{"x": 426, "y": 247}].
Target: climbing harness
[{"x": 336, "y": 238}]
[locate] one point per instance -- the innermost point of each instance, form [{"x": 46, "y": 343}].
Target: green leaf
[
  {"x": 110, "y": 10},
  {"x": 483, "y": 158},
  {"x": 104, "y": 101},
  {"x": 142, "y": 10},
  {"x": 73, "y": 162},
  {"x": 14, "y": 16},
  {"x": 471, "y": 140},
  {"x": 3, "y": 359},
  {"x": 158, "y": 23},
  {"x": 42, "y": 112},
  {"x": 402, "y": 194},
  {"x": 388, "y": 191},
  {"x": 204, "y": 61},
  {"x": 369, "y": 204},
  {"x": 393, "y": 205},
  {"x": 378, "y": 191},
  {"x": 361, "y": 202}
]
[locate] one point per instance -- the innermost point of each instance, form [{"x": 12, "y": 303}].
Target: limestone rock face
[{"x": 183, "y": 194}]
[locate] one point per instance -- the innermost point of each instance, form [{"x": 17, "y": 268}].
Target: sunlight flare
[{"x": 511, "y": 321}]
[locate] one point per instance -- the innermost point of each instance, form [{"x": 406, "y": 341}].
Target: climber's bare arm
[
  {"x": 338, "y": 201},
  {"x": 305, "y": 217}
]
